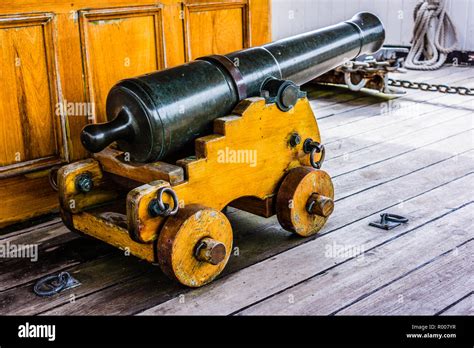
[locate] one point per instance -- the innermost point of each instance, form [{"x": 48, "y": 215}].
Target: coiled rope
[{"x": 433, "y": 25}]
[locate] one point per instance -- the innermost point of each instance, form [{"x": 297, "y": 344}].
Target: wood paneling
[
  {"x": 260, "y": 22},
  {"x": 225, "y": 25},
  {"x": 119, "y": 43},
  {"x": 26, "y": 196},
  {"x": 30, "y": 130}
]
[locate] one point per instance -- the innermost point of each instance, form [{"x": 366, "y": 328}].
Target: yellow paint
[
  {"x": 179, "y": 238},
  {"x": 141, "y": 225},
  {"x": 113, "y": 235},
  {"x": 70, "y": 198},
  {"x": 260, "y": 129},
  {"x": 247, "y": 156}
]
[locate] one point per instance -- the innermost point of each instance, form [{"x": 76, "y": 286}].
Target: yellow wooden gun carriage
[
  {"x": 250, "y": 140},
  {"x": 255, "y": 161}
]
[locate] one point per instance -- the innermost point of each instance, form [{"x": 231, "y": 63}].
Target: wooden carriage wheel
[
  {"x": 194, "y": 245},
  {"x": 305, "y": 200}
]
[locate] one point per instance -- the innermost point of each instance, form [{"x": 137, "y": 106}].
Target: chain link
[
  {"x": 369, "y": 66},
  {"x": 423, "y": 86}
]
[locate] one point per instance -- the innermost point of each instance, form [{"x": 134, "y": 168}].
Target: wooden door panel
[
  {"x": 29, "y": 124},
  {"x": 119, "y": 43},
  {"x": 216, "y": 28}
]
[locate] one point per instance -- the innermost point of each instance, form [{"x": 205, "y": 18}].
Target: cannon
[
  {"x": 184, "y": 143},
  {"x": 155, "y": 115}
]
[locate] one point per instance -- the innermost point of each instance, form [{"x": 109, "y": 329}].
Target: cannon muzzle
[{"x": 159, "y": 114}]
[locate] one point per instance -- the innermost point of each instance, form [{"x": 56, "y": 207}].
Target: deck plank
[
  {"x": 385, "y": 115},
  {"x": 439, "y": 126},
  {"x": 464, "y": 306},
  {"x": 387, "y": 128},
  {"x": 44, "y": 226},
  {"x": 93, "y": 275},
  {"x": 57, "y": 249},
  {"x": 379, "y": 173},
  {"x": 430, "y": 286}
]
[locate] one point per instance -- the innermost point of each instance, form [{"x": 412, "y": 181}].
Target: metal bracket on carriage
[
  {"x": 83, "y": 185},
  {"x": 147, "y": 208}
]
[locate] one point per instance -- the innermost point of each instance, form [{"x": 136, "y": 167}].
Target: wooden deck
[{"x": 411, "y": 156}]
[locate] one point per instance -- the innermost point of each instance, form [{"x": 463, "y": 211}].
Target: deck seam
[
  {"x": 403, "y": 153},
  {"x": 398, "y": 136},
  {"x": 454, "y": 303},
  {"x": 402, "y": 176}
]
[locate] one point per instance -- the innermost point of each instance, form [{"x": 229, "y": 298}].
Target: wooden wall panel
[
  {"x": 26, "y": 196},
  {"x": 119, "y": 43},
  {"x": 30, "y": 131},
  {"x": 260, "y": 22},
  {"x": 225, "y": 25}
]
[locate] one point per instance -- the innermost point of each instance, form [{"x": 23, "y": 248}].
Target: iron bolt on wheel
[
  {"x": 305, "y": 200},
  {"x": 194, "y": 245}
]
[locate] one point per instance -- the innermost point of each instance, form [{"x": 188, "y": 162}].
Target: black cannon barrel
[{"x": 158, "y": 114}]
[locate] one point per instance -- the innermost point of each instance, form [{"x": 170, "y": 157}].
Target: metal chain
[
  {"x": 429, "y": 87},
  {"x": 371, "y": 73},
  {"x": 391, "y": 66},
  {"x": 369, "y": 66}
]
